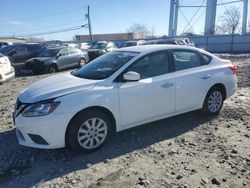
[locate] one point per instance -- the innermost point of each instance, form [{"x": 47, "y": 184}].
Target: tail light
[
  {"x": 1, "y": 77},
  {"x": 233, "y": 68}
]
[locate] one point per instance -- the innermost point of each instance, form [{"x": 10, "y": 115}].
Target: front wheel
[
  {"x": 213, "y": 102},
  {"x": 88, "y": 131},
  {"x": 52, "y": 69}
]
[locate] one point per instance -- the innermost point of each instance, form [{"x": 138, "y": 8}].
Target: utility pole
[
  {"x": 210, "y": 17},
  {"x": 89, "y": 26},
  {"x": 173, "y": 18},
  {"x": 244, "y": 19}
]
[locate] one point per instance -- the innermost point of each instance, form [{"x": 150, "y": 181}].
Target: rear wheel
[
  {"x": 88, "y": 131},
  {"x": 213, "y": 102}
]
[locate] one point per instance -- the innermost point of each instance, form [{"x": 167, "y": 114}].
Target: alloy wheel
[
  {"x": 215, "y": 101},
  {"x": 92, "y": 133}
]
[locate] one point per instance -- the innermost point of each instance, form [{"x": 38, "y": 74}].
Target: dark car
[
  {"x": 128, "y": 43},
  {"x": 55, "y": 59},
  {"x": 175, "y": 41},
  {"x": 99, "y": 48},
  {"x": 21, "y": 52}
]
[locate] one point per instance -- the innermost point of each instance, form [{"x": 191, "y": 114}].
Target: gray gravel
[{"x": 188, "y": 150}]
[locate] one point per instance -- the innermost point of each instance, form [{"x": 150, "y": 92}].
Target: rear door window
[
  {"x": 186, "y": 59},
  {"x": 205, "y": 59}
]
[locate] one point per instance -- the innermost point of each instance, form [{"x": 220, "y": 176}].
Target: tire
[
  {"x": 52, "y": 69},
  {"x": 82, "y": 131},
  {"x": 82, "y": 62},
  {"x": 213, "y": 102}
]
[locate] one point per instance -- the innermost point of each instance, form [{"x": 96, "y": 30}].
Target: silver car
[{"x": 56, "y": 59}]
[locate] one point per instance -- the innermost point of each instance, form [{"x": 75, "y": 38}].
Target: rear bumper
[
  {"x": 231, "y": 87},
  {"x": 8, "y": 76}
]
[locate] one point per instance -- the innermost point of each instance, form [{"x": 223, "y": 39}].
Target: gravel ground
[{"x": 188, "y": 150}]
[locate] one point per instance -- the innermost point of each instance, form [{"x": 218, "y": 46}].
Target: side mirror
[{"x": 131, "y": 76}]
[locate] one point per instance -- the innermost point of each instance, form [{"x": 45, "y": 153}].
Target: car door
[
  {"x": 63, "y": 58},
  {"x": 153, "y": 95},
  {"x": 75, "y": 55},
  {"x": 192, "y": 78}
]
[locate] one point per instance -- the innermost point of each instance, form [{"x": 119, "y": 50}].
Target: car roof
[{"x": 157, "y": 47}]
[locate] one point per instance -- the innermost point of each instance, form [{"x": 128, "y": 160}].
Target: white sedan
[
  {"x": 7, "y": 72},
  {"x": 119, "y": 90}
]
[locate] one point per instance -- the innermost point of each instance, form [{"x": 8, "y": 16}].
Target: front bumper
[{"x": 50, "y": 128}]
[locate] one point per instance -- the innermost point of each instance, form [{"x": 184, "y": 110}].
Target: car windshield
[
  {"x": 6, "y": 49},
  {"x": 105, "y": 65},
  {"x": 49, "y": 53},
  {"x": 99, "y": 45}
]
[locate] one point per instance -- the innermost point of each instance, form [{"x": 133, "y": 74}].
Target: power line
[
  {"x": 52, "y": 32},
  {"x": 39, "y": 29}
]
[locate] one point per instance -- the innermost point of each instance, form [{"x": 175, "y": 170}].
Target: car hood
[{"x": 55, "y": 86}]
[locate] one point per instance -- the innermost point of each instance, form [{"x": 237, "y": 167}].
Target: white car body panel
[
  {"x": 138, "y": 99},
  {"x": 130, "y": 103},
  {"x": 45, "y": 88}
]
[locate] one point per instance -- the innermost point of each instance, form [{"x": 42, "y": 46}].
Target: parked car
[
  {"x": 85, "y": 45},
  {"x": 72, "y": 45},
  {"x": 119, "y": 90},
  {"x": 4, "y": 44},
  {"x": 55, "y": 59},
  {"x": 175, "y": 41},
  {"x": 99, "y": 48},
  {"x": 21, "y": 52},
  {"x": 131, "y": 43},
  {"x": 7, "y": 72}
]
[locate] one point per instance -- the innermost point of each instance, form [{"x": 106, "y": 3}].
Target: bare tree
[
  {"x": 230, "y": 21},
  {"x": 139, "y": 30}
]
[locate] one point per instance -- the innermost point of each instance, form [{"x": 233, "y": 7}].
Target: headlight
[{"x": 40, "y": 109}]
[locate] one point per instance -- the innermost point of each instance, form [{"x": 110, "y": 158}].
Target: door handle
[
  {"x": 204, "y": 77},
  {"x": 167, "y": 85}
]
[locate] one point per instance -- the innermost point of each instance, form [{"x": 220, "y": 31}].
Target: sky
[{"x": 22, "y": 17}]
